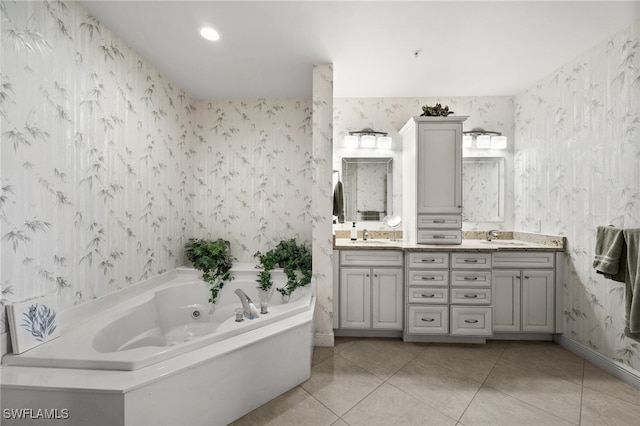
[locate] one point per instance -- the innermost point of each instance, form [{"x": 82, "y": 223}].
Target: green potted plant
[
  {"x": 214, "y": 259},
  {"x": 294, "y": 258}
]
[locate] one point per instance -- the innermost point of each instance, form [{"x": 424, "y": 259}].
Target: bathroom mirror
[
  {"x": 368, "y": 192},
  {"x": 483, "y": 189}
]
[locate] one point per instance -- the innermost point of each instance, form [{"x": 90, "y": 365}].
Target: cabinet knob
[
  {"x": 367, "y": 275},
  {"x": 518, "y": 277},
  {"x": 427, "y": 319},
  {"x": 526, "y": 277},
  {"x": 375, "y": 275}
]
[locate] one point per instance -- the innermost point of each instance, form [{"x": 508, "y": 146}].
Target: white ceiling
[{"x": 268, "y": 48}]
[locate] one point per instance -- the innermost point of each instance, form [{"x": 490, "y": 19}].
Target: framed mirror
[
  {"x": 368, "y": 188},
  {"x": 483, "y": 189}
]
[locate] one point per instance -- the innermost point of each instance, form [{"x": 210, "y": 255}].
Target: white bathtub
[{"x": 141, "y": 358}]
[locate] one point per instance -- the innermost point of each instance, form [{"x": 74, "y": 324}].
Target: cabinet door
[
  {"x": 537, "y": 301},
  {"x": 506, "y": 300},
  {"x": 439, "y": 164},
  {"x": 387, "y": 300},
  {"x": 355, "y": 298}
]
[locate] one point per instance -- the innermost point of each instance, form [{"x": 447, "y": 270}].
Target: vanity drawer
[
  {"x": 468, "y": 296},
  {"x": 430, "y": 278},
  {"x": 439, "y": 221},
  {"x": 518, "y": 260},
  {"x": 429, "y": 295},
  {"x": 470, "y": 260},
  {"x": 444, "y": 236},
  {"x": 438, "y": 260},
  {"x": 471, "y": 278},
  {"x": 428, "y": 320},
  {"x": 471, "y": 321},
  {"x": 371, "y": 258}
]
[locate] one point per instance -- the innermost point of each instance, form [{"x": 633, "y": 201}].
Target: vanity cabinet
[
  {"x": 432, "y": 179},
  {"x": 524, "y": 292},
  {"x": 371, "y": 290},
  {"x": 448, "y": 294}
]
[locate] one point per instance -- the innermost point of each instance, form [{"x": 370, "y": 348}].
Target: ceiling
[{"x": 268, "y": 48}]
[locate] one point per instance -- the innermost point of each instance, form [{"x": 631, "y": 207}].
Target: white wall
[{"x": 577, "y": 166}]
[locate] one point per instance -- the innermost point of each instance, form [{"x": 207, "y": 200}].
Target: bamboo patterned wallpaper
[
  {"x": 577, "y": 166},
  {"x": 107, "y": 168}
]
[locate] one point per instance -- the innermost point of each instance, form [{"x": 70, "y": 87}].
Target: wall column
[{"x": 322, "y": 230}]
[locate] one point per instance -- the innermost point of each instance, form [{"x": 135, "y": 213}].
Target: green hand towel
[
  {"x": 338, "y": 201},
  {"x": 632, "y": 290},
  {"x": 610, "y": 258}
]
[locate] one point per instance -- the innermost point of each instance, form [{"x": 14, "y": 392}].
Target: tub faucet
[
  {"x": 492, "y": 234},
  {"x": 249, "y": 308}
]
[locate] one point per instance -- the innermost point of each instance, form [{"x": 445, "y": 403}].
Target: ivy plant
[
  {"x": 214, "y": 259},
  {"x": 294, "y": 258}
]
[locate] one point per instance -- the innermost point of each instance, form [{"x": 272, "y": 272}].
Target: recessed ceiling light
[{"x": 209, "y": 33}]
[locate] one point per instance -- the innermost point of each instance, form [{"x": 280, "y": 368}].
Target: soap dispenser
[{"x": 354, "y": 232}]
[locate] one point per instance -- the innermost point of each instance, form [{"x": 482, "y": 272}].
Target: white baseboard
[
  {"x": 324, "y": 339},
  {"x": 619, "y": 370}
]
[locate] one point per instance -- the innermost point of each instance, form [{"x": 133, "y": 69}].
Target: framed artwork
[{"x": 33, "y": 322}]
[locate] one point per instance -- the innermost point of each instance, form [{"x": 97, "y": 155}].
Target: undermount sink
[
  {"x": 503, "y": 242},
  {"x": 373, "y": 242}
]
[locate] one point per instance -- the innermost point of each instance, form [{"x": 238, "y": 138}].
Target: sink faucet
[
  {"x": 492, "y": 234},
  {"x": 249, "y": 308},
  {"x": 365, "y": 235}
]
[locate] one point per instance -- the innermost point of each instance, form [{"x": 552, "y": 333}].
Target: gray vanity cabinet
[
  {"x": 371, "y": 290},
  {"x": 524, "y": 292}
]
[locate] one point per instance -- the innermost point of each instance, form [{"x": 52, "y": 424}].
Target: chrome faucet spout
[
  {"x": 492, "y": 234},
  {"x": 248, "y": 307}
]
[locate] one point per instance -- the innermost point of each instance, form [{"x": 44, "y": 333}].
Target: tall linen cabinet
[{"x": 432, "y": 179}]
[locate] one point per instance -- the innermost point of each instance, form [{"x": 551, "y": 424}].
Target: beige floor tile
[
  {"x": 490, "y": 407},
  {"x": 437, "y": 386},
  {"x": 341, "y": 343},
  {"x": 547, "y": 357},
  {"x": 380, "y": 357},
  {"x": 340, "y": 384},
  {"x": 599, "y": 409},
  {"x": 597, "y": 379},
  {"x": 320, "y": 354},
  {"x": 294, "y": 408},
  {"x": 551, "y": 394},
  {"x": 473, "y": 361},
  {"x": 388, "y": 405}
]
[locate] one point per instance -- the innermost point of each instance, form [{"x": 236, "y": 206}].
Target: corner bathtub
[{"x": 169, "y": 357}]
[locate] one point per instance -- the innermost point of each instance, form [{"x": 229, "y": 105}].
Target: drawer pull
[
  {"x": 471, "y": 296},
  {"x": 517, "y": 277},
  {"x": 428, "y": 295},
  {"x": 471, "y": 261},
  {"x": 439, "y": 237},
  {"x": 471, "y": 321},
  {"x": 428, "y": 278},
  {"x": 428, "y": 260},
  {"x": 438, "y": 220},
  {"x": 470, "y": 278},
  {"x": 427, "y": 319},
  {"x": 526, "y": 277}
]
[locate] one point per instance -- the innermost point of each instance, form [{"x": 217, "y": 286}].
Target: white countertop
[{"x": 467, "y": 245}]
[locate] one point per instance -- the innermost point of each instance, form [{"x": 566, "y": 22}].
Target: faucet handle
[{"x": 365, "y": 234}]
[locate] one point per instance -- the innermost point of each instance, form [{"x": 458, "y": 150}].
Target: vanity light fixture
[
  {"x": 485, "y": 139},
  {"x": 368, "y": 138},
  {"x": 209, "y": 33}
]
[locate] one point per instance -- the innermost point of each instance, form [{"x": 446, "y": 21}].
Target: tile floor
[{"x": 389, "y": 382}]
